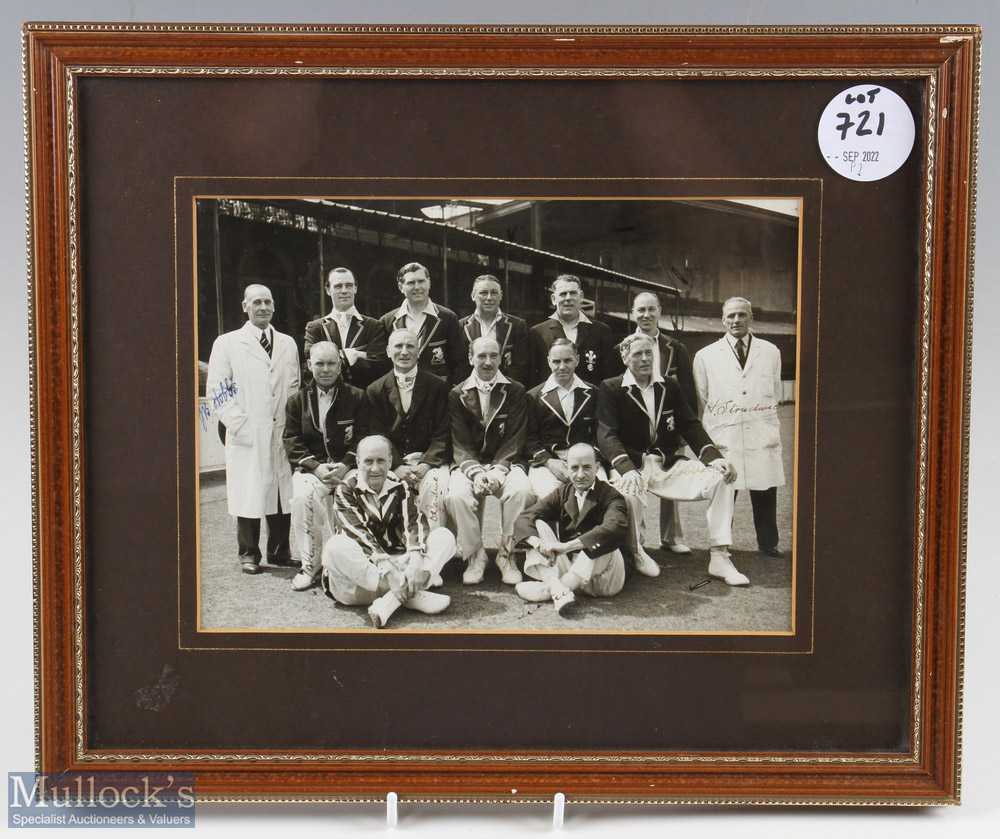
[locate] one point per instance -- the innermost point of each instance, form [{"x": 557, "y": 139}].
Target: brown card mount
[{"x": 129, "y": 127}]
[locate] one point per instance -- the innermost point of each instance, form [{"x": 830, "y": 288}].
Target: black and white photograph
[{"x": 512, "y": 415}]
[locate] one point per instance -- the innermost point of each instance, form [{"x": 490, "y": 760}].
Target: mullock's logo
[{"x": 100, "y": 799}]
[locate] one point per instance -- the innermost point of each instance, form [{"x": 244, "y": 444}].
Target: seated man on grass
[
  {"x": 574, "y": 535},
  {"x": 385, "y": 555}
]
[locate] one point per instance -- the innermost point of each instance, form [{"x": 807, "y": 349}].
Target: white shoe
[
  {"x": 303, "y": 580},
  {"x": 428, "y": 602},
  {"x": 383, "y": 608},
  {"x": 508, "y": 567},
  {"x": 534, "y": 591},
  {"x": 721, "y": 566},
  {"x": 567, "y": 598},
  {"x": 645, "y": 565},
  {"x": 376, "y": 617},
  {"x": 676, "y": 548},
  {"x": 476, "y": 568}
]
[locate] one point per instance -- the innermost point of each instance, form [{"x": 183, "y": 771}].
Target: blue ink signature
[{"x": 219, "y": 397}]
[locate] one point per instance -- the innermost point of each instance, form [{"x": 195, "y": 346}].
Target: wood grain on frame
[{"x": 57, "y": 55}]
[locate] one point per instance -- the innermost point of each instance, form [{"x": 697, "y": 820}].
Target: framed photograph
[{"x": 330, "y": 323}]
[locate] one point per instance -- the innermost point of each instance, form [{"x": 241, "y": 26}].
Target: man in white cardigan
[{"x": 738, "y": 379}]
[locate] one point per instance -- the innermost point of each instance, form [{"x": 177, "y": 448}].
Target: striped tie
[{"x": 265, "y": 343}]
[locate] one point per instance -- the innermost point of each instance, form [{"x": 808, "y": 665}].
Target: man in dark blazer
[
  {"x": 323, "y": 423},
  {"x": 489, "y": 422},
  {"x": 409, "y": 406},
  {"x": 488, "y": 321},
  {"x": 593, "y": 339},
  {"x": 641, "y": 420},
  {"x": 442, "y": 350},
  {"x": 360, "y": 339},
  {"x": 671, "y": 358},
  {"x": 574, "y": 534},
  {"x": 563, "y": 412}
]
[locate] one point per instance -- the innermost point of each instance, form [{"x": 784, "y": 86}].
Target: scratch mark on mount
[{"x": 157, "y": 697}]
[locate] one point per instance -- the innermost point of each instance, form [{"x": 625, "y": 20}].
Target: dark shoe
[
  {"x": 282, "y": 561},
  {"x": 250, "y": 564},
  {"x": 772, "y": 551}
]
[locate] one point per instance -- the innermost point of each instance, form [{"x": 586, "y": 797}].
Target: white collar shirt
[
  {"x": 404, "y": 384},
  {"x": 484, "y": 390},
  {"x": 488, "y": 330},
  {"x": 648, "y": 393},
  {"x": 570, "y": 332},
  {"x": 387, "y": 487},
  {"x": 415, "y": 321},
  {"x": 343, "y": 320},
  {"x": 259, "y": 332},
  {"x": 567, "y": 396},
  {"x": 746, "y": 339},
  {"x": 324, "y": 398}
]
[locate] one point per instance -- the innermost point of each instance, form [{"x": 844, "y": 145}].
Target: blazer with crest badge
[
  {"x": 496, "y": 440},
  {"x": 548, "y": 427},
  {"x": 442, "y": 351},
  {"x": 598, "y": 356},
  {"x": 306, "y": 445},
  {"x": 625, "y": 432}
]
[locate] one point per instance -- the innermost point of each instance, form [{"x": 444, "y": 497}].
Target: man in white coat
[
  {"x": 738, "y": 379},
  {"x": 255, "y": 369}
]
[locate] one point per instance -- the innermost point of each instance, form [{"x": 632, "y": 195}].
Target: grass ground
[{"x": 236, "y": 601}]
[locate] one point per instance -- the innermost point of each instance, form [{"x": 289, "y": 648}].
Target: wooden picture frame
[{"x": 103, "y": 105}]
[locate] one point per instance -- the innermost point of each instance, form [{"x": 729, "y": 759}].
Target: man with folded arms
[
  {"x": 489, "y": 419},
  {"x": 563, "y": 412},
  {"x": 574, "y": 535},
  {"x": 384, "y": 556},
  {"x": 409, "y": 406},
  {"x": 671, "y": 359},
  {"x": 641, "y": 420},
  {"x": 488, "y": 321},
  {"x": 360, "y": 339},
  {"x": 323, "y": 423},
  {"x": 592, "y": 338},
  {"x": 441, "y": 348}
]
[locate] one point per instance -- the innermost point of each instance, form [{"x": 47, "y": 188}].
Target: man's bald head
[
  {"x": 646, "y": 298},
  {"x": 582, "y": 450},
  {"x": 581, "y": 463},
  {"x": 374, "y": 460},
  {"x": 481, "y": 343},
  {"x": 258, "y": 304},
  {"x": 374, "y": 443},
  {"x": 646, "y": 312},
  {"x": 324, "y": 363}
]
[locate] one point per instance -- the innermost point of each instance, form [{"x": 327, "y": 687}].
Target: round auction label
[{"x": 866, "y": 132}]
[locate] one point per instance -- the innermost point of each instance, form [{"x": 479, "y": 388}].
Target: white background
[{"x": 982, "y": 687}]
